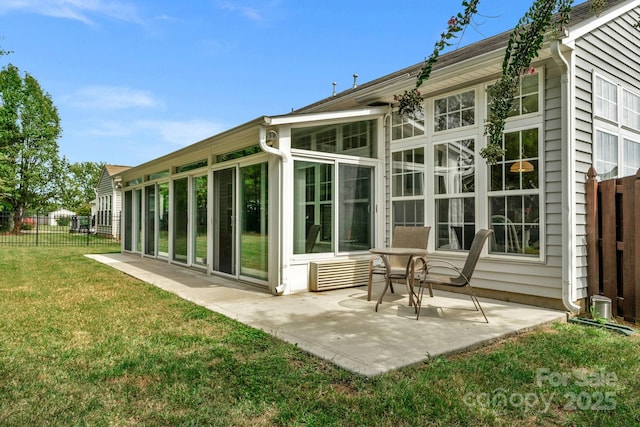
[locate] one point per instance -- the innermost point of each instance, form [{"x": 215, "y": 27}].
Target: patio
[{"x": 341, "y": 325}]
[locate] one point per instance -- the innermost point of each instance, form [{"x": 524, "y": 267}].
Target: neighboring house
[
  {"x": 54, "y": 216},
  {"x": 108, "y": 203},
  {"x": 241, "y": 204}
]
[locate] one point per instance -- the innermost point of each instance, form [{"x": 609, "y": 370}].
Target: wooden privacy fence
[{"x": 613, "y": 242}]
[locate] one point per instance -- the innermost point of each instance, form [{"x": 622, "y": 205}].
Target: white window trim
[
  {"x": 616, "y": 128},
  {"x": 525, "y": 124},
  {"x": 595, "y": 115},
  {"x": 406, "y": 147},
  {"x": 410, "y": 138},
  {"x": 622, "y": 108},
  {"x": 429, "y": 111},
  {"x": 535, "y": 115},
  {"x": 336, "y": 161}
]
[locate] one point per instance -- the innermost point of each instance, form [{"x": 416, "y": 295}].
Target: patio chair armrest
[
  {"x": 440, "y": 263},
  {"x": 420, "y": 264}
]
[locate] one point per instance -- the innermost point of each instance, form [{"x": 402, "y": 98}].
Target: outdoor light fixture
[
  {"x": 272, "y": 136},
  {"x": 521, "y": 166}
]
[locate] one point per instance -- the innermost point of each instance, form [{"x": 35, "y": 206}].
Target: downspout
[
  {"x": 268, "y": 149},
  {"x": 567, "y": 167},
  {"x": 278, "y": 290}
]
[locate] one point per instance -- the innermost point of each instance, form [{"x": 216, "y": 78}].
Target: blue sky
[{"x": 137, "y": 79}]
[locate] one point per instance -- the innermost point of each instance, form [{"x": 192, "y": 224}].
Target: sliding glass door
[
  {"x": 180, "y": 219},
  {"x": 224, "y": 187},
  {"x": 163, "y": 219},
  {"x": 200, "y": 219},
  {"x": 150, "y": 220},
  {"x": 254, "y": 221},
  {"x": 128, "y": 220},
  {"x": 240, "y": 239}
]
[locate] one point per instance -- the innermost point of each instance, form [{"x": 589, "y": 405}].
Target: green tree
[
  {"x": 4, "y": 168},
  {"x": 29, "y": 129},
  {"x": 78, "y": 183}
]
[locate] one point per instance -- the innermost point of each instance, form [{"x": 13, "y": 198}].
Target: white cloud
[
  {"x": 79, "y": 10},
  {"x": 157, "y": 132},
  {"x": 113, "y": 98},
  {"x": 250, "y": 13},
  {"x": 181, "y": 133}
]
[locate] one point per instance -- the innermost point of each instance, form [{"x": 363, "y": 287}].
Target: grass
[{"x": 83, "y": 344}]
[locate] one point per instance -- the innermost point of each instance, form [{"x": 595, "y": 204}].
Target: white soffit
[{"x": 332, "y": 115}]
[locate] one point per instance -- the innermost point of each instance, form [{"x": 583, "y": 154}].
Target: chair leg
[
  {"x": 419, "y": 301},
  {"x": 369, "y": 285},
  {"x": 476, "y": 303},
  {"x": 419, "y": 296}
]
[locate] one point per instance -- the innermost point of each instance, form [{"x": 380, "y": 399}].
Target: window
[
  {"x": 408, "y": 187},
  {"x": 406, "y": 127},
  {"x": 355, "y": 135},
  {"x": 454, "y": 169},
  {"x": 631, "y": 156},
  {"x": 631, "y": 110},
  {"x": 408, "y": 172},
  {"x": 355, "y": 196},
  {"x": 237, "y": 154},
  {"x": 332, "y": 204},
  {"x": 104, "y": 211},
  {"x": 514, "y": 196},
  {"x": 605, "y": 99},
  {"x": 354, "y": 138},
  {"x": 454, "y": 111},
  {"x": 314, "y": 207},
  {"x": 616, "y": 141},
  {"x": 158, "y": 175},
  {"x": 526, "y": 100},
  {"x": 191, "y": 166},
  {"x": 606, "y": 155},
  {"x": 466, "y": 194}
]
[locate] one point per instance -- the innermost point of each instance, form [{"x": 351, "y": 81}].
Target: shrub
[
  {"x": 63, "y": 221},
  {"x": 28, "y": 224}
]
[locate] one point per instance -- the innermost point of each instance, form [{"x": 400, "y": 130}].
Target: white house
[
  {"x": 53, "y": 216},
  {"x": 108, "y": 202},
  {"x": 240, "y": 204}
]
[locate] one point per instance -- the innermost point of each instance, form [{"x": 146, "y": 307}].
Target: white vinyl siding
[{"x": 612, "y": 49}]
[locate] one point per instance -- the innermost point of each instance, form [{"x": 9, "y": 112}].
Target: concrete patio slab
[{"x": 341, "y": 325}]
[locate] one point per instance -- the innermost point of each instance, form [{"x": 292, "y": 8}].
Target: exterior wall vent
[{"x": 328, "y": 275}]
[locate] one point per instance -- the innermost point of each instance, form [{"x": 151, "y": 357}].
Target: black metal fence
[{"x": 59, "y": 230}]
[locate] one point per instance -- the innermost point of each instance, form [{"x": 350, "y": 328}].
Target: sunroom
[{"x": 243, "y": 204}]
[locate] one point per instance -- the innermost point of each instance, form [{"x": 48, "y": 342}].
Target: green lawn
[{"x": 83, "y": 344}]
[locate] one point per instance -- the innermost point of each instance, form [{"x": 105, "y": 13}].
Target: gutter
[
  {"x": 568, "y": 178},
  {"x": 279, "y": 288},
  {"x": 265, "y": 146}
]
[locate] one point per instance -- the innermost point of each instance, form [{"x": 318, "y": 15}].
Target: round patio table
[{"x": 407, "y": 274}]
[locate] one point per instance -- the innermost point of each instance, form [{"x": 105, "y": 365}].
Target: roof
[{"x": 115, "y": 169}]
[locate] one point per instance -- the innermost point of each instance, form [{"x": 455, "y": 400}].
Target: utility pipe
[
  {"x": 568, "y": 179},
  {"x": 279, "y": 288}
]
